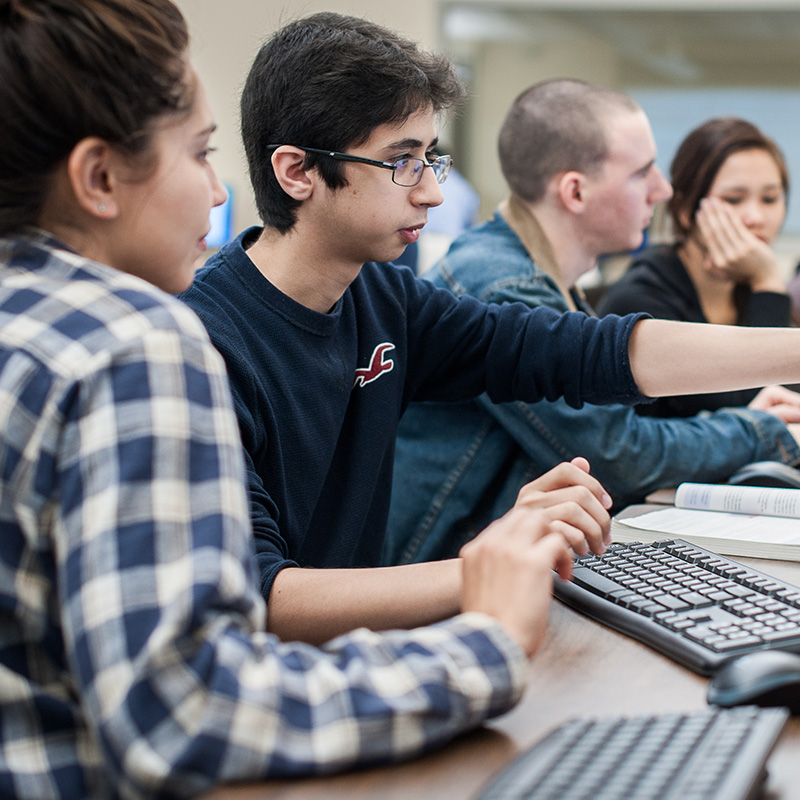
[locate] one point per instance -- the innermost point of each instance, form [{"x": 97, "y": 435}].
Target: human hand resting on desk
[
  {"x": 584, "y": 503},
  {"x": 734, "y": 251},
  {"x": 778, "y": 401},
  {"x": 507, "y": 571}
]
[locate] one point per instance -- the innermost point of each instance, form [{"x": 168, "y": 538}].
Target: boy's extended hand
[
  {"x": 582, "y": 501},
  {"x": 507, "y": 572}
]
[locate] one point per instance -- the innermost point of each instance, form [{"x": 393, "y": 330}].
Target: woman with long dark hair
[{"x": 730, "y": 185}]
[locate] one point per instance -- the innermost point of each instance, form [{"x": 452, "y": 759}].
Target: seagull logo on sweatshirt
[{"x": 378, "y": 365}]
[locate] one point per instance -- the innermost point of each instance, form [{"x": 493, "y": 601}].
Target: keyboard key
[
  {"x": 695, "y": 599},
  {"x": 776, "y": 636},
  {"x": 671, "y": 602},
  {"x": 733, "y": 644},
  {"x": 591, "y": 580}
]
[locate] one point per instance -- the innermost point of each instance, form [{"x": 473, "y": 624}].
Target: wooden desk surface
[{"x": 583, "y": 668}]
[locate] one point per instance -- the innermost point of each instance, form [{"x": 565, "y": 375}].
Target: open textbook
[{"x": 756, "y": 521}]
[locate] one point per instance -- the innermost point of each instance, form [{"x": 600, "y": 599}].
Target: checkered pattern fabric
[{"x": 133, "y": 657}]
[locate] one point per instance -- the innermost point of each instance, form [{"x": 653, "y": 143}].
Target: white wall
[{"x": 501, "y": 72}]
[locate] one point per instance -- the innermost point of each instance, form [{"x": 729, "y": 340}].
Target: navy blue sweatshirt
[{"x": 319, "y": 396}]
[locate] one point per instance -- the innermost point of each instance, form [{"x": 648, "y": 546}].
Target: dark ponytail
[{"x": 76, "y": 68}]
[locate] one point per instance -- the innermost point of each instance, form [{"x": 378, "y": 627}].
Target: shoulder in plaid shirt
[{"x": 133, "y": 657}]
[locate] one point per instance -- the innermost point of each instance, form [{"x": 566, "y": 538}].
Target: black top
[{"x": 657, "y": 282}]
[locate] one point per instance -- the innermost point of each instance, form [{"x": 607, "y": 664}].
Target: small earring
[{"x": 101, "y": 208}]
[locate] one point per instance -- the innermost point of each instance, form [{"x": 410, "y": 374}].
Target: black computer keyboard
[
  {"x": 708, "y": 755},
  {"x": 695, "y": 606}
]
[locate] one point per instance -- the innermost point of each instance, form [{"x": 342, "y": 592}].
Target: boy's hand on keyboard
[
  {"x": 508, "y": 572},
  {"x": 583, "y": 500}
]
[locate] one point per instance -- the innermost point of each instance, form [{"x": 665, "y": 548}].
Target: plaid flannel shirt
[{"x": 134, "y": 660}]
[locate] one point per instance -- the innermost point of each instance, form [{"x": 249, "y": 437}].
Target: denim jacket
[{"x": 459, "y": 466}]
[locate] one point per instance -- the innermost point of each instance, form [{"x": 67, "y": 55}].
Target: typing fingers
[
  {"x": 553, "y": 552},
  {"x": 576, "y": 506},
  {"x": 508, "y": 573},
  {"x": 574, "y": 473},
  {"x": 581, "y": 529}
]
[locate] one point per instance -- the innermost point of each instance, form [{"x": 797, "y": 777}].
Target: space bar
[{"x": 596, "y": 583}]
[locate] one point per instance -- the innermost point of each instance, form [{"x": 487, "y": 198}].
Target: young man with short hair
[{"x": 579, "y": 160}]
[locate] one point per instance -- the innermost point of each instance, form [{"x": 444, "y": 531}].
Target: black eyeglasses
[{"x": 405, "y": 171}]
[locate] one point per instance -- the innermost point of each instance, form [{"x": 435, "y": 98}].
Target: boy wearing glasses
[{"x": 326, "y": 344}]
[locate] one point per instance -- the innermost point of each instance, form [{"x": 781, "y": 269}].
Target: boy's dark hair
[
  {"x": 700, "y": 157},
  {"x": 76, "y": 68},
  {"x": 556, "y": 126},
  {"x": 328, "y": 81}
]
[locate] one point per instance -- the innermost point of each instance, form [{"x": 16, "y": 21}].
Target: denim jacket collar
[{"x": 523, "y": 222}]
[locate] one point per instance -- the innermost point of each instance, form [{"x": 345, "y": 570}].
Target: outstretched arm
[{"x": 669, "y": 358}]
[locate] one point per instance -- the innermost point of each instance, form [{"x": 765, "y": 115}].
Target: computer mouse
[
  {"x": 767, "y": 473},
  {"x": 763, "y": 678}
]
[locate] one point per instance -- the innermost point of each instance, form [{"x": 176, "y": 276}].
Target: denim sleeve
[
  {"x": 705, "y": 448},
  {"x": 632, "y": 455}
]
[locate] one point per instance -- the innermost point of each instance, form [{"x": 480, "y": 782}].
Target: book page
[
  {"x": 739, "y": 499},
  {"x": 687, "y": 523}
]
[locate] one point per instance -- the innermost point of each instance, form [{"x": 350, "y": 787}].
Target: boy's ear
[
  {"x": 571, "y": 190},
  {"x": 295, "y": 180},
  {"x": 90, "y": 169}
]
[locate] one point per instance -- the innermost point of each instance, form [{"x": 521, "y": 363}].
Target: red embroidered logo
[{"x": 377, "y": 365}]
